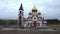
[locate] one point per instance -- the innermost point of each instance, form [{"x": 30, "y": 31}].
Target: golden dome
[{"x": 34, "y": 9}]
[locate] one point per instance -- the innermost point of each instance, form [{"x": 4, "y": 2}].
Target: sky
[{"x": 50, "y": 9}]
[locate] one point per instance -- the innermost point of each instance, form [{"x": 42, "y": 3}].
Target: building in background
[{"x": 34, "y": 19}]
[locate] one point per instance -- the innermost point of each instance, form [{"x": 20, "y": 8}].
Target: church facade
[{"x": 33, "y": 20}]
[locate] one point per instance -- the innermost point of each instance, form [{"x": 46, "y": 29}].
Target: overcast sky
[{"x": 50, "y": 9}]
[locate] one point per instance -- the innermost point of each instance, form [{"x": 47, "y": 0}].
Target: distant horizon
[{"x": 17, "y": 19}]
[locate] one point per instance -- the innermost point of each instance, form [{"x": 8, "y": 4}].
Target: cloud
[{"x": 48, "y": 8}]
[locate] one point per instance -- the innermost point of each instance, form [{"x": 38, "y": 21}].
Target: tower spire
[
  {"x": 34, "y": 8},
  {"x": 34, "y": 5},
  {"x": 21, "y": 7}
]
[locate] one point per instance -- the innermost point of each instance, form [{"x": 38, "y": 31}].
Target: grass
[
  {"x": 8, "y": 26},
  {"x": 54, "y": 26}
]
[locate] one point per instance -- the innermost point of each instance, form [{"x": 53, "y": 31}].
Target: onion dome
[
  {"x": 30, "y": 13},
  {"x": 39, "y": 13},
  {"x": 34, "y": 9}
]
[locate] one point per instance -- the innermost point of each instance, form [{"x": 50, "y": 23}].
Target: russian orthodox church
[{"x": 34, "y": 19}]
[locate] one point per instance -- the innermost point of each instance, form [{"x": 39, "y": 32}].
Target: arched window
[
  {"x": 38, "y": 24},
  {"x": 28, "y": 24}
]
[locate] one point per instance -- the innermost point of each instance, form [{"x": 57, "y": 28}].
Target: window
[
  {"x": 38, "y": 24},
  {"x": 20, "y": 12},
  {"x": 34, "y": 18},
  {"x": 28, "y": 24}
]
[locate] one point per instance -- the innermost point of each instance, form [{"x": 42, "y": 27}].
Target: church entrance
[{"x": 35, "y": 24}]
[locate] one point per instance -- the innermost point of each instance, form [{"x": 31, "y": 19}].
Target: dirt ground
[{"x": 29, "y": 32}]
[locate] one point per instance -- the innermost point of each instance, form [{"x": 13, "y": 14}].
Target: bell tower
[{"x": 20, "y": 16}]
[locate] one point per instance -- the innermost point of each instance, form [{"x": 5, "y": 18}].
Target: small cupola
[
  {"x": 30, "y": 13},
  {"x": 39, "y": 13}
]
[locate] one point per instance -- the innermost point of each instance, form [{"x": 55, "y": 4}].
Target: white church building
[{"x": 33, "y": 20}]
